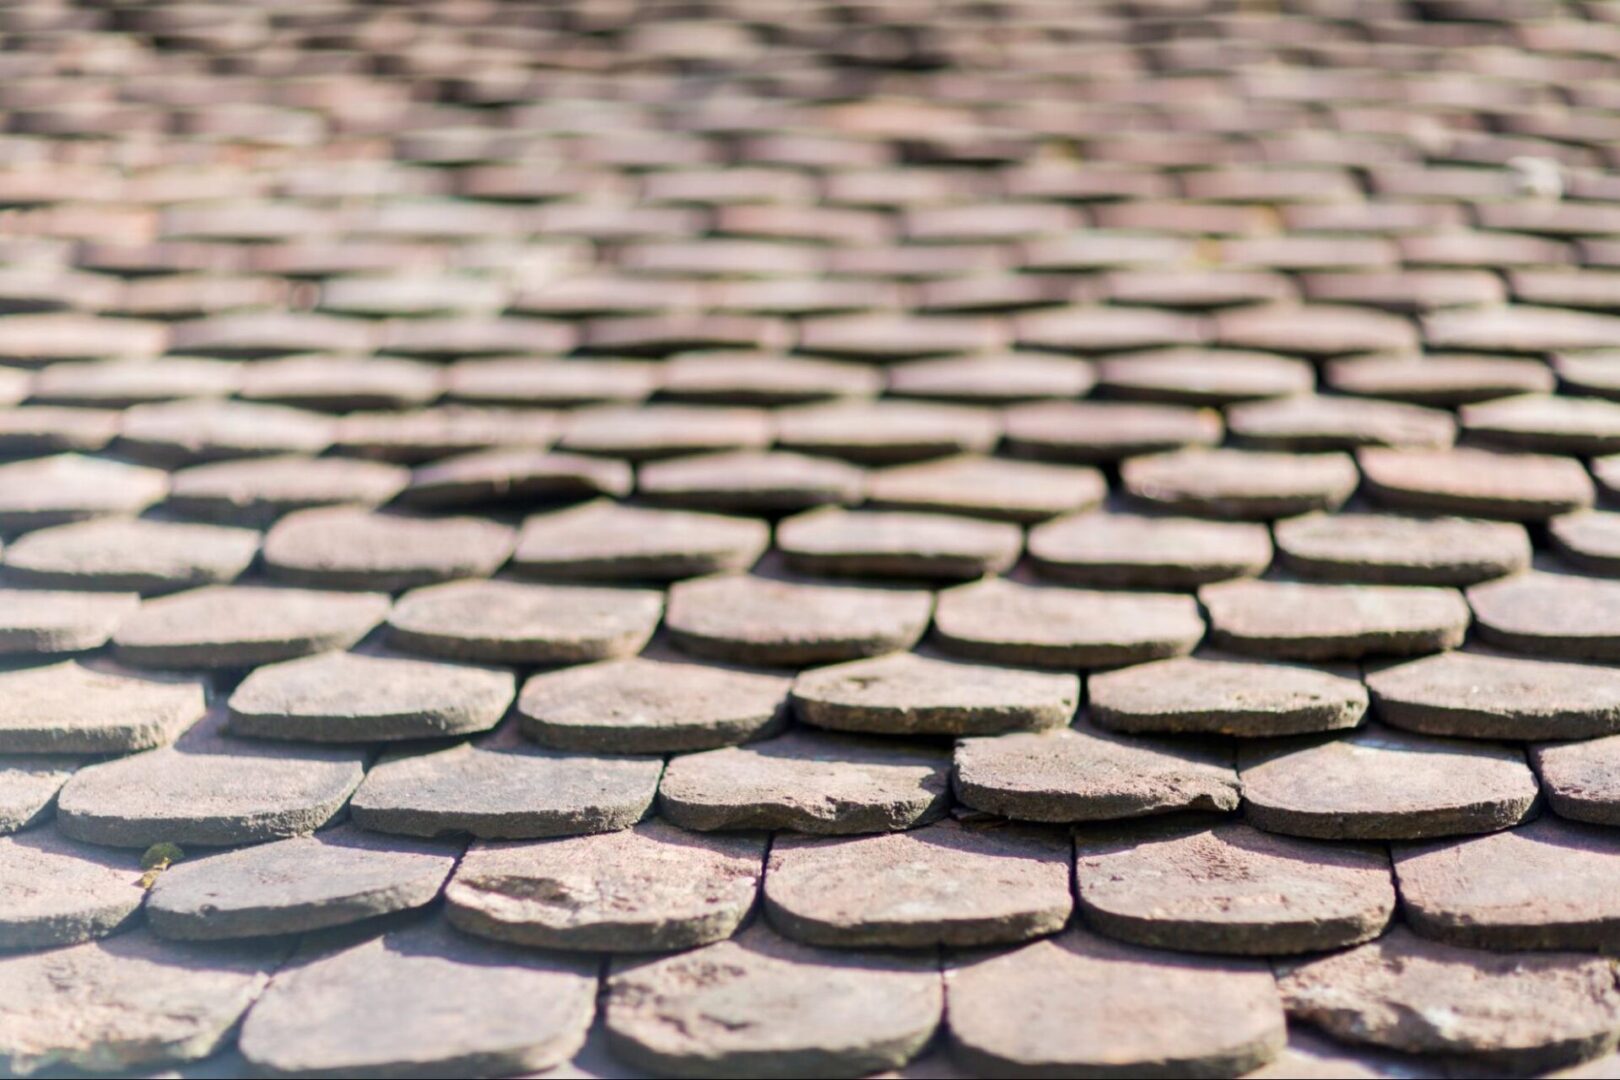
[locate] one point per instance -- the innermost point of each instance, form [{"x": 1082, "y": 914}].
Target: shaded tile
[
  {"x": 1389, "y": 549},
  {"x": 1081, "y": 1004},
  {"x": 945, "y": 883},
  {"x": 649, "y": 888},
  {"x": 1078, "y": 774},
  {"x": 909, "y": 694},
  {"x": 1132, "y": 551},
  {"x": 1216, "y": 695},
  {"x": 604, "y": 540},
  {"x": 131, "y": 555},
  {"x": 421, "y": 1002},
  {"x": 1229, "y": 888},
  {"x": 1003, "y": 621},
  {"x": 297, "y": 885},
  {"x": 503, "y": 787},
  {"x": 508, "y": 622},
  {"x": 239, "y": 626},
  {"x": 756, "y": 620},
  {"x": 873, "y": 1012},
  {"x": 1378, "y": 784},
  {"x": 55, "y": 892},
  {"x": 30, "y": 430},
  {"x": 807, "y": 783},
  {"x": 1507, "y": 1011}
]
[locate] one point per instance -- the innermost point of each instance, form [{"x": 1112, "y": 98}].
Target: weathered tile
[
  {"x": 897, "y": 544},
  {"x": 1134, "y": 551},
  {"x": 1078, "y": 1003},
  {"x": 353, "y": 697},
  {"x": 501, "y": 787},
  {"x": 421, "y": 1002},
  {"x": 643, "y": 705},
  {"x": 605, "y": 540},
  {"x": 1078, "y": 774},
  {"x": 1477, "y": 695},
  {"x": 946, "y": 883},
  {"x": 757, "y": 620},
  {"x": 1003, "y": 621},
  {"x": 258, "y": 491},
  {"x": 173, "y": 433},
  {"x": 240, "y": 626},
  {"x": 208, "y": 788},
  {"x": 1229, "y": 888},
  {"x": 1389, "y": 549},
  {"x": 1222, "y": 696},
  {"x": 1290, "y": 620},
  {"x": 1480, "y": 483},
  {"x": 1378, "y": 784},
  {"x": 126, "y": 1003},
  {"x": 991, "y": 487},
  {"x": 292, "y": 886},
  {"x": 1093, "y": 432},
  {"x": 805, "y": 782},
  {"x": 1439, "y": 380},
  {"x": 910, "y": 694},
  {"x": 1322, "y": 422},
  {"x": 76, "y": 708},
  {"x": 353, "y": 548},
  {"x": 28, "y": 788},
  {"x": 887, "y": 432},
  {"x": 131, "y": 555},
  {"x": 509, "y": 622},
  {"x": 54, "y": 892},
  {"x": 874, "y": 1012},
  {"x": 1546, "y": 614},
  {"x": 1542, "y": 885},
  {"x": 649, "y": 888},
  {"x": 1515, "y": 1012},
  {"x": 1244, "y": 484},
  {"x": 749, "y": 482},
  {"x": 71, "y": 487}
]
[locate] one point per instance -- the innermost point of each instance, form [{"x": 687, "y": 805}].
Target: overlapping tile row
[{"x": 621, "y": 538}]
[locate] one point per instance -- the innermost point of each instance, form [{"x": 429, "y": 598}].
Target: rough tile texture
[{"x": 785, "y": 469}]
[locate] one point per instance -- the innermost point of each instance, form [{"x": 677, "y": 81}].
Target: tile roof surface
[{"x": 809, "y": 537}]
